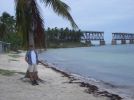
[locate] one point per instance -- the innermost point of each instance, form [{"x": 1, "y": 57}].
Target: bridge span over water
[
  {"x": 89, "y": 36},
  {"x": 123, "y": 37}
]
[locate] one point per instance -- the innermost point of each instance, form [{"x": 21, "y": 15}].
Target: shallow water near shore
[{"x": 112, "y": 65}]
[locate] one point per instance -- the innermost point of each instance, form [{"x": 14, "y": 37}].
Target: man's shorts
[{"x": 32, "y": 68}]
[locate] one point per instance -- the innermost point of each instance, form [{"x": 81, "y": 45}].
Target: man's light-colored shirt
[{"x": 33, "y": 57}]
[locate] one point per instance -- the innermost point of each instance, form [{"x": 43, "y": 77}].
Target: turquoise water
[{"x": 110, "y": 64}]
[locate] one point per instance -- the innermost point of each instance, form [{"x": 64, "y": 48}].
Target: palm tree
[
  {"x": 7, "y": 25},
  {"x": 30, "y": 23}
]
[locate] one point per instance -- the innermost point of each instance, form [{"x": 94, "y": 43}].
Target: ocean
[{"x": 110, "y": 66}]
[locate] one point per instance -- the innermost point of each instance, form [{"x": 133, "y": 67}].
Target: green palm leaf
[{"x": 62, "y": 9}]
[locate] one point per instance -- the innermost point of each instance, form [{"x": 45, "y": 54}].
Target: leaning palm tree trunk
[{"x": 29, "y": 23}]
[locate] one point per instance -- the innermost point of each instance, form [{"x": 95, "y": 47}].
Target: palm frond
[
  {"x": 61, "y": 9},
  {"x": 21, "y": 20}
]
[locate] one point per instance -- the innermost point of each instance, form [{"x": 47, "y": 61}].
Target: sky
[{"x": 90, "y": 15}]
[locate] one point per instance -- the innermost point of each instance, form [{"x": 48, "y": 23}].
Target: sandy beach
[{"x": 55, "y": 86}]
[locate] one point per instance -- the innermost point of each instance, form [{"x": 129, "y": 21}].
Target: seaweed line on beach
[{"x": 91, "y": 89}]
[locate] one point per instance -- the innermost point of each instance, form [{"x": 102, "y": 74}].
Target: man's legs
[
  {"x": 35, "y": 74},
  {"x": 27, "y": 74},
  {"x": 31, "y": 74},
  {"x": 37, "y": 77}
]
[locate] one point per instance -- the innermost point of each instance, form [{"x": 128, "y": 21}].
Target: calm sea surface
[{"x": 110, "y": 64}]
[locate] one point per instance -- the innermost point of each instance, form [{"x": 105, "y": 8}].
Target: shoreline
[
  {"x": 90, "y": 89},
  {"x": 104, "y": 66},
  {"x": 58, "y": 84}
]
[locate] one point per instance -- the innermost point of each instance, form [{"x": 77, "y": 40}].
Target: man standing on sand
[{"x": 32, "y": 60}]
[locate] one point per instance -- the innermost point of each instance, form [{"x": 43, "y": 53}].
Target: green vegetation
[
  {"x": 6, "y": 72},
  {"x": 9, "y": 72},
  {"x": 8, "y": 31},
  {"x": 63, "y": 35},
  {"x": 63, "y": 38},
  {"x": 13, "y": 60},
  {"x": 14, "y": 55},
  {"x": 67, "y": 45}
]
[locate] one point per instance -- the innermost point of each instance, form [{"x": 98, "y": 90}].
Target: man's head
[{"x": 31, "y": 47}]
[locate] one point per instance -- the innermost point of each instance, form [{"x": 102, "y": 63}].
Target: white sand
[{"x": 55, "y": 86}]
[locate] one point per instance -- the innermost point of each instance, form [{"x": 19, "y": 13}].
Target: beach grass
[
  {"x": 13, "y": 60},
  {"x": 9, "y": 72},
  {"x": 6, "y": 72},
  {"x": 14, "y": 55}
]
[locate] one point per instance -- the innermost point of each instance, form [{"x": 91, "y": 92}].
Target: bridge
[
  {"x": 122, "y": 37},
  {"x": 89, "y": 36}
]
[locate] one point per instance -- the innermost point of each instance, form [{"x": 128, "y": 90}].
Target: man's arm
[
  {"x": 26, "y": 57},
  {"x": 37, "y": 59}
]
